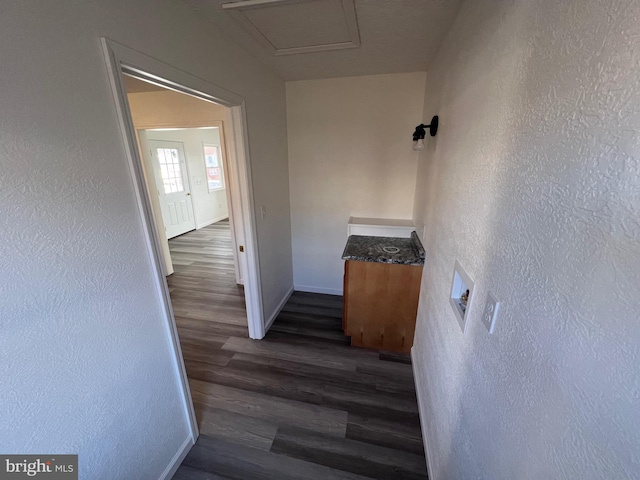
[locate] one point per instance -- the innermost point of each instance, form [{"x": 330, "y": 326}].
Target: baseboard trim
[
  {"x": 423, "y": 415},
  {"x": 326, "y": 291},
  {"x": 211, "y": 222},
  {"x": 177, "y": 459},
  {"x": 277, "y": 310}
]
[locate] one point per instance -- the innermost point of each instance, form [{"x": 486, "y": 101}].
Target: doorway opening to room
[
  {"x": 187, "y": 148},
  {"x": 181, "y": 141},
  {"x": 187, "y": 170},
  {"x": 189, "y": 180}
]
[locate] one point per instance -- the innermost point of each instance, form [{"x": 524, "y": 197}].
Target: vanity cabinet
[{"x": 380, "y": 304}]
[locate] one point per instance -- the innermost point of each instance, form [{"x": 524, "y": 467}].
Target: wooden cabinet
[{"x": 380, "y": 304}]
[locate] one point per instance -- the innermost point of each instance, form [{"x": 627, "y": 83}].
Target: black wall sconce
[{"x": 419, "y": 134}]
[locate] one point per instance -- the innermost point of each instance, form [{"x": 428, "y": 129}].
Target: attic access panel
[{"x": 287, "y": 27}]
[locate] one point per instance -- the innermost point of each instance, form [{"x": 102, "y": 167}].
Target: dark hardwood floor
[{"x": 299, "y": 404}]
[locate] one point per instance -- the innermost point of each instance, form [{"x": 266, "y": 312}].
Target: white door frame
[{"x": 121, "y": 59}]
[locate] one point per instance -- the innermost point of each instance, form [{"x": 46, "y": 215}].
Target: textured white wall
[
  {"x": 349, "y": 155},
  {"x": 208, "y": 206},
  {"x": 84, "y": 352},
  {"x": 533, "y": 183}
]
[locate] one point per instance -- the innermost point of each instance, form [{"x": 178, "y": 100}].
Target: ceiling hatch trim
[{"x": 240, "y": 11}]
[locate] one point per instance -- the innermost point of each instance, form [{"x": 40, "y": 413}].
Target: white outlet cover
[{"x": 490, "y": 312}]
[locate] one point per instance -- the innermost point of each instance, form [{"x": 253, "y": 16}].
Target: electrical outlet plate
[{"x": 490, "y": 312}]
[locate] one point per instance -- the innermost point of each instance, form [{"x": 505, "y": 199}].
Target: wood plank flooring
[{"x": 299, "y": 404}]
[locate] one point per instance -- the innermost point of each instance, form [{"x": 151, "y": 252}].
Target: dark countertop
[{"x": 371, "y": 249}]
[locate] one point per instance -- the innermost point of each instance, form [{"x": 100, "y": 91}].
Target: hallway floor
[{"x": 299, "y": 404}]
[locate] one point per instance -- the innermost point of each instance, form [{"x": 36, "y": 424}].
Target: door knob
[{"x": 188, "y": 193}]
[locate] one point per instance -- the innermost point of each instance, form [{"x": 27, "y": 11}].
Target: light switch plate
[{"x": 490, "y": 312}]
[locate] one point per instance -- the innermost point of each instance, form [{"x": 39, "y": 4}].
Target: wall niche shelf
[
  {"x": 461, "y": 295},
  {"x": 380, "y": 227}
]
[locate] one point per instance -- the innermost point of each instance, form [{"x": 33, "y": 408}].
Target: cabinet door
[{"x": 381, "y": 302}]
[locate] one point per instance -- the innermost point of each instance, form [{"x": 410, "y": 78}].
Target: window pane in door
[{"x": 170, "y": 170}]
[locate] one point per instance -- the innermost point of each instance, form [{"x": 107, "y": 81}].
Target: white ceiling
[{"x": 394, "y": 35}]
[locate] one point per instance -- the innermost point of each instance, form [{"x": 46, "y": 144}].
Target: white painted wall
[
  {"x": 349, "y": 155},
  {"x": 172, "y": 109},
  {"x": 209, "y": 207},
  {"x": 85, "y": 355},
  {"x": 533, "y": 184}
]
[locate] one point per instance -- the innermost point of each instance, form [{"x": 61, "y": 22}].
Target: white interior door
[{"x": 174, "y": 191}]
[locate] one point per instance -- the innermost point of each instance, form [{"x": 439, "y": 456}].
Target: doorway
[
  {"x": 122, "y": 60},
  {"x": 184, "y": 167}
]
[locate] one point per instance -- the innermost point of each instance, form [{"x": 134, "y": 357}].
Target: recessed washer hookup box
[{"x": 43, "y": 467}]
